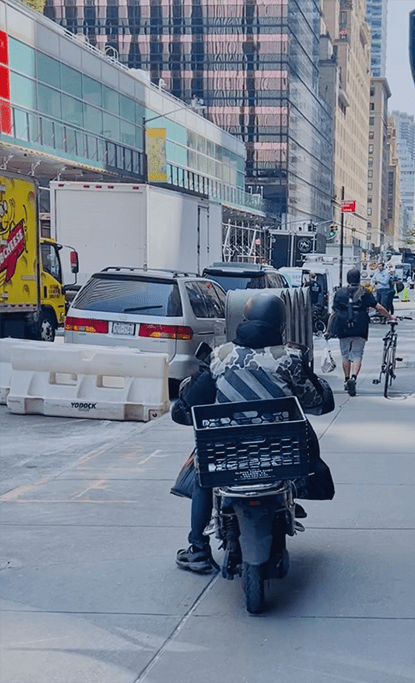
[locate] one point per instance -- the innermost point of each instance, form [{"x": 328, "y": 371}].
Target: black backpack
[{"x": 348, "y": 319}]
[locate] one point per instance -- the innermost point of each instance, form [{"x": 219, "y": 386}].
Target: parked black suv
[{"x": 240, "y": 275}]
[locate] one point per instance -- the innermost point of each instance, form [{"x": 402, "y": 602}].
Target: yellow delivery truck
[{"x": 32, "y": 293}]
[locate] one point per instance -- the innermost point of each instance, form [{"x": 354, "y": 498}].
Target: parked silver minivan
[{"x": 154, "y": 311}]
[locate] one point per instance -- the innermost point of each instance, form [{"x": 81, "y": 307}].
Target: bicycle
[{"x": 389, "y": 358}]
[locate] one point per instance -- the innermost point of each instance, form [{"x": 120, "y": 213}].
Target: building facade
[
  {"x": 254, "y": 65},
  {"x": 405, "y": 126},
  {"x": 377, "y": 182},
  {"x": 393, "y": 219},
  {"x": 349, "y": 34},
  {"x": 69, "y": 110},
  {"x": 376, "y": 17}
]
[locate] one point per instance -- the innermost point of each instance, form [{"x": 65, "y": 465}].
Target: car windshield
[
  {"x": 135, "y": 296},
  {"x": 232, "y": 281}
]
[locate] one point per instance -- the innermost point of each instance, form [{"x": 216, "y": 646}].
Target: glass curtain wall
[{"x": 255, "y": 65}]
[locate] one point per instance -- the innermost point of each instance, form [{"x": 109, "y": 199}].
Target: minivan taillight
[
  {"x": 86, "y": 325},
  {"x": 165, "y": 331}
]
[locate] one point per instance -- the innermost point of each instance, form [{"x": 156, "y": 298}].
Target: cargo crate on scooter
[{"x": 251, "y": 442}]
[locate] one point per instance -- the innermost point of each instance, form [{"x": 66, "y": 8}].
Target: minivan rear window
[{"x": 132, "y": 296}]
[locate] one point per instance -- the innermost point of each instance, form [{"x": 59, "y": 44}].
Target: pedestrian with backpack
[{"x": 349, "y": 321}]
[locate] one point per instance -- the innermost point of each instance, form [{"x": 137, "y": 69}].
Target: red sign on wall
[
  {"x": 348, "y": 206},
  {"x": 5, "y": 108}
]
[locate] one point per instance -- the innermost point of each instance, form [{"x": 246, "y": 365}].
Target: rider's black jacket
[{"x": 257, "y": 365}]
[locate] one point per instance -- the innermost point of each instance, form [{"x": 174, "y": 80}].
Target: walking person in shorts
[{"x": 349, "y": 321}]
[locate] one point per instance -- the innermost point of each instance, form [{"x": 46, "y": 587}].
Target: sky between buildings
[{"x": 398, "y": 71}]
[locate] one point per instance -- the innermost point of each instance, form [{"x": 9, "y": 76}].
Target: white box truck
[{"x": 135, "y": 225}]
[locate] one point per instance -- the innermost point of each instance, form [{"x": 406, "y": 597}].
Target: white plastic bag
[{"x": 327, "y": 361}]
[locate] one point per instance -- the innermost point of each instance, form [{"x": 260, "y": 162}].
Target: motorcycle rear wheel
[{"x": 253, "y": 581}]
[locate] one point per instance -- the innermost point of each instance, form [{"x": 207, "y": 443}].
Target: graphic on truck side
[{"x": 16, "y": 200}]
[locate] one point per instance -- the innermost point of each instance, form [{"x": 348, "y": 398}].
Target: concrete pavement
[{"x": 90, "y": 591}]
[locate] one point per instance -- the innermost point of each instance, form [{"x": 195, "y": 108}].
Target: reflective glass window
[
  {"x": 72, "y": 111},
  {"x": 92, "y": 147},
  {"x": 48, "y": 70},
  {"x": 23, "y": 91},
  {"x": 71, "y": 81},
  {"x": 48, "y": 133},
  {"x": 21, "y": 125},
  {"x": 71, "y": 146},
  {"x": 49, "y": 101},
  {"x": 60, "y": 137},
  {"x": 34, "y": 127},
  {"x": 110, "y": 100},
  {"x": 92, "y": 119},
  {"x": 111, "y": 127},
  {"x": 127, "y": 108},
  {"x": 92, "y": 91},
  {"x": 22, "y": 57},
  {"x": 127, "y": 133}
]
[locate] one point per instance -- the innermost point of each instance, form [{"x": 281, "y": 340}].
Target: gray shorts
[{"x": 351, "y": 348}]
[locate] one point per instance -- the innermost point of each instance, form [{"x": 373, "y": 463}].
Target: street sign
[{"x": 348, "y": 206}]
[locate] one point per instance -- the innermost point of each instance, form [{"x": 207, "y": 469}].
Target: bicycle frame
[{"x": 388, "y": 364}]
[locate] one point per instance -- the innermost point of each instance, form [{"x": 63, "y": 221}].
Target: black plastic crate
[{"x": 253, "y": 441}]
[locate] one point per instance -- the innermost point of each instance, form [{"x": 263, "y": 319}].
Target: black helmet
[
  {"x": 267, "y": 308},
  {"x": 353, "y": 277}
]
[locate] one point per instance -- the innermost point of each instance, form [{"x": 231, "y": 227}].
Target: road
[{"x": 89, "y": 534}]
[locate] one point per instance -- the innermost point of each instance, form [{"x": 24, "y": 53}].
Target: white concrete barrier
[
  {"x": 99, "y": 382},
  {"x": 6, "y": 346}
]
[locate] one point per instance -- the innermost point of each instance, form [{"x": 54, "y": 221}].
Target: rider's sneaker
[
  {"x": 345, "y": 384},
  {"x": 195, "y": 560},
  {"x": 351, "y": 386}
]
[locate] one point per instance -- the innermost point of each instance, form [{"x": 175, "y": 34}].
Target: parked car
[
  {"x": 154, "y": 311},
  {"x": 240, "y": 275}
]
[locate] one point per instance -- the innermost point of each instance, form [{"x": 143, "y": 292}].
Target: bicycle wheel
[{"x": 389, "y": 372}]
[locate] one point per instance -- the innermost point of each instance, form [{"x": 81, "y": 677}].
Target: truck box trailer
[{"x": 135, "y": 225}]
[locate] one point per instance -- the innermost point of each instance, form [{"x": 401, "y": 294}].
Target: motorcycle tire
[{"x": 253, "y": 582}]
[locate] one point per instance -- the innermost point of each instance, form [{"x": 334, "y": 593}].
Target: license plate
[{"x": 123, "y": 328}]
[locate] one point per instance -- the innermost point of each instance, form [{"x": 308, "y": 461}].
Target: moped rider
[{"x": 257, "y": 365}]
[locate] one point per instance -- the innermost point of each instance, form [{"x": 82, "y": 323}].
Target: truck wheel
[
  {"x": 46, "y": 327},
  {"x": 253, "y": 580}
]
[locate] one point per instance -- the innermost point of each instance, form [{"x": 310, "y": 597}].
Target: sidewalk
[{"x": 91, "y": 593}]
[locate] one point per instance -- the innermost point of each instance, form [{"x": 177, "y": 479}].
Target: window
[
  {"x": 372, "y": 90},
  {"x": 369, "y": 211},
  {"x": 371, "y": 149},
  {"x": 71, "y": 81},
  {"x": 110, "y": 100},
  {"x": 371, "y": 120},
  {"x": 23, "y": 91},
  {"x": 370, "y": 173},
  {"x": 370, "y": 161},
  {"x": 372, "y": 107},
  {"x": 369, "y": 200},
  {"x": 92, "y": 91},
  {"x": 49, "y": 101},
  {"x": 371, "y": 135},
  {"x": 204, "y": 300},
  {"x": 22, "y": 57},
  {"x": 48, "y": 70},
  {"x": 127, "y": 108},
  {"x": 370, "y": 186},
  {"x": 122, "y": 294},
  {"x": 92, "y": 119},
  {"x": 72, "y": 111},
  {"x": 50, "y": 261}
]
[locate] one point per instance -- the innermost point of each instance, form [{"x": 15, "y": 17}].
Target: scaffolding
[{"x": 246, "y": 239}]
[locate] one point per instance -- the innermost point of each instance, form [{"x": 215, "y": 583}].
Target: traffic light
[{"x": 333, "y": 231}]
